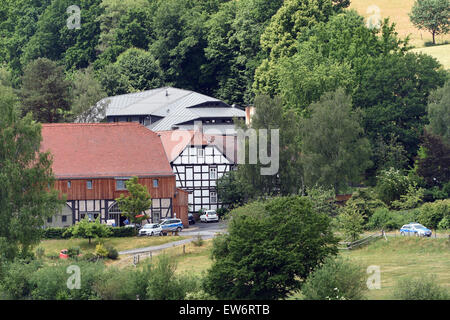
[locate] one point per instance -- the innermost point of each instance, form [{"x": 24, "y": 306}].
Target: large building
[
  {"x": 92, "y": 162},
  {"x": 170, "y": 108},
  {"x": 198, "y": 161}
]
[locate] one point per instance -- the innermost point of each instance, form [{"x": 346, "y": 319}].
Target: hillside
[{"x": 397, "y": 11}]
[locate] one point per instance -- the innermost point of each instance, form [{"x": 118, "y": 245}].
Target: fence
[{"x": 361, "y": 242}]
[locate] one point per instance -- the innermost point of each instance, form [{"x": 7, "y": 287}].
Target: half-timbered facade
[
  {"x": 198, "y": 161},
  {"x": 92, "y": 162}
]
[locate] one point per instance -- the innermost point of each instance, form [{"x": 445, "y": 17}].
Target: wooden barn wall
[
  {"x": 106, "y": 188},
  {"x": 180, "y": 206}
]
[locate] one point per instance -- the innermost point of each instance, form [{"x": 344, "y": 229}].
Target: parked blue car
[{"x": 415, "y": 229}]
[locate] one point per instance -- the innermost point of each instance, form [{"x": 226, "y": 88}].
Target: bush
[
  {"x": 56, "y": 233},
  {"x": 221, "y": 212},
  {"x": 431, "y": 214},
  {"x": 336, "y": 279},
  {"x": 163, "y": 284},
  {"x": 121, "y": 232},
  {"x": 121, "y": 284},
  {"x": 112, "y": 253},
  {"x": 423, "y": 288},
  {"x": 199, "y": 241},
  {"x": 73, "y": 252},
  {"x": 16, "y": 279},
  {"x": 101, "y": 251},
  {"x": 40, "y": 252},
  {"x": 391, "y": 185},
  {"x": 445, "y": 223},
  {"x": 383, "y": 219}
]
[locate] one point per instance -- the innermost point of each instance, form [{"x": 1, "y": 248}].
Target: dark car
[{"x": 191, "y": 218}]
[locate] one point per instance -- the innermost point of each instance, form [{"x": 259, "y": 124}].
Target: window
[
  {"x": 155, "y": 183},
  {"x": 89, "y": 184},
  {"x": 200, "y": 152},
  {"x": 49, "y": 220},
  {"x": 64, "y": 218},
  {"x": 120, "y": 185},
  {"x": 213, "y": 173},
  {"x": 69, "y": 184},
  {"x": 213, "y": 197}
]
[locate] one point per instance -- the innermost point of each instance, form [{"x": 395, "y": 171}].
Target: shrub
[
  {"x": 121, "y": 232},
  {"x": 445, "y": 223},
  {"x": 101, "y": 251},
  {"x": 221, "y": 212},
  {"x": 423, "y": 288},
  {"x": 364, "y": 202},
  {"x": 16, "y": 279},
  {"x": 112, "y": 253},
  {"x": 56, "y": 233},
  {"x": 413, "y": 197},
  {"x": 336, "y": 279},
  {"x": 118, "y": 284},
  {"x": 73, "y": 252},
  {"x": 383, "y": 219},
  {"x": 40, "y": 252},
  {"x": 199, "y": 241},
  {"x": 430, "y": 214},
  {"x": 351, "y": 223},
  {"x": 164, "y": 284},
  {"x": 391, "y": 185},
  {"x": 89, "y": 257}
]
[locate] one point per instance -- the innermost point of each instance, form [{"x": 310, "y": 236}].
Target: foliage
[
  {"x": 233, "y": 190},
  {"x": 391, "y": 184},
  {"x": 88, "y": 229},
  {"x": 164, "y": 284},
  {"x": 334, "y": 149},
  {"x": 431, "y": 214},
  {"x": 55, "y": 233},
  {"x": 267, "y": 253},
  {"x": 432, "y": 15},
  {"x": 136, "y": 203},
  {"x": 198, "y": 242},
  {"x": 27, "y": 197},
  {"x": 45, "y": 91},
  {"x": 365, "y": 202},
  {"x": 135, "y": 70},
  {"x": 101, "y": 251},
  {"x": 383, "y": 219},
  {"x": 433, "y": 161},
  {"x": 87, "y": 94},
  {"x": 412, "y": 199},
  {"x": 15, "y": 281},
  {"x": 112, "y": 253},
  {"x": 73, "y": 252},
  {"x": 259, "y": 179},
  {"x": 351, "y": 222},
  {"x": 423, "y": 288},
  {"x": 445, "y": 223},
  {"x": 336, "y": 279},
  {"x": 439, "y": 112},
  {"x": 323, "y": 200}
]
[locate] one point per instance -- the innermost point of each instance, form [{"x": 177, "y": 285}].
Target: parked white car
[
  {"x": 150, "y": 229},
  {"x": 209, "y": 215}
]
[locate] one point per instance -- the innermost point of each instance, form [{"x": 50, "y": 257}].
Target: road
[{"x": 205, "y": 230}]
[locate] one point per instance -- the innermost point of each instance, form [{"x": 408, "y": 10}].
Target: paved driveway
[{"x": 206, "y": 230}]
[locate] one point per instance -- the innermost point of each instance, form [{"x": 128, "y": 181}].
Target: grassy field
[
  {"x": 398, "y": 257},
  {"x": 54, "y": 246},
  {"x": 397, "y": 11},
  {"x": 441, "y": 53}
]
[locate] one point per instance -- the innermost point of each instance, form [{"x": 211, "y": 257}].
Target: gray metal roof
[{"x": 174, "y": 105}]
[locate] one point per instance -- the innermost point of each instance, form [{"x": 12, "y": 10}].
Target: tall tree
[
  {"x": 267, "y": 253},
  {"x": 431, "y": 15},
  {"x": 45, "y": 91},
  {"x": 334, "y": 149},
  {"x": 288, "y": 179},
  {"x": 87, "y": 94},
  {"x": 439, "y": 112},
  {"x": 433, "y": 161},
  {"x": 26, "y": 180}
]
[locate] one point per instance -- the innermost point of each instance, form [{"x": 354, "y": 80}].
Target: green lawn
[
  {"x": 441, "y": 53},
  {"x": 54, "y": 246},
  {"x": 397, "y": 258}
]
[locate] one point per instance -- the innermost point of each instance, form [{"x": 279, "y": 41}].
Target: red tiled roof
[{"x": 104, "y": 150}]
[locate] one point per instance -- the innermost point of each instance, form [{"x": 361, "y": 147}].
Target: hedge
[{"x": 57, "y": 233}]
